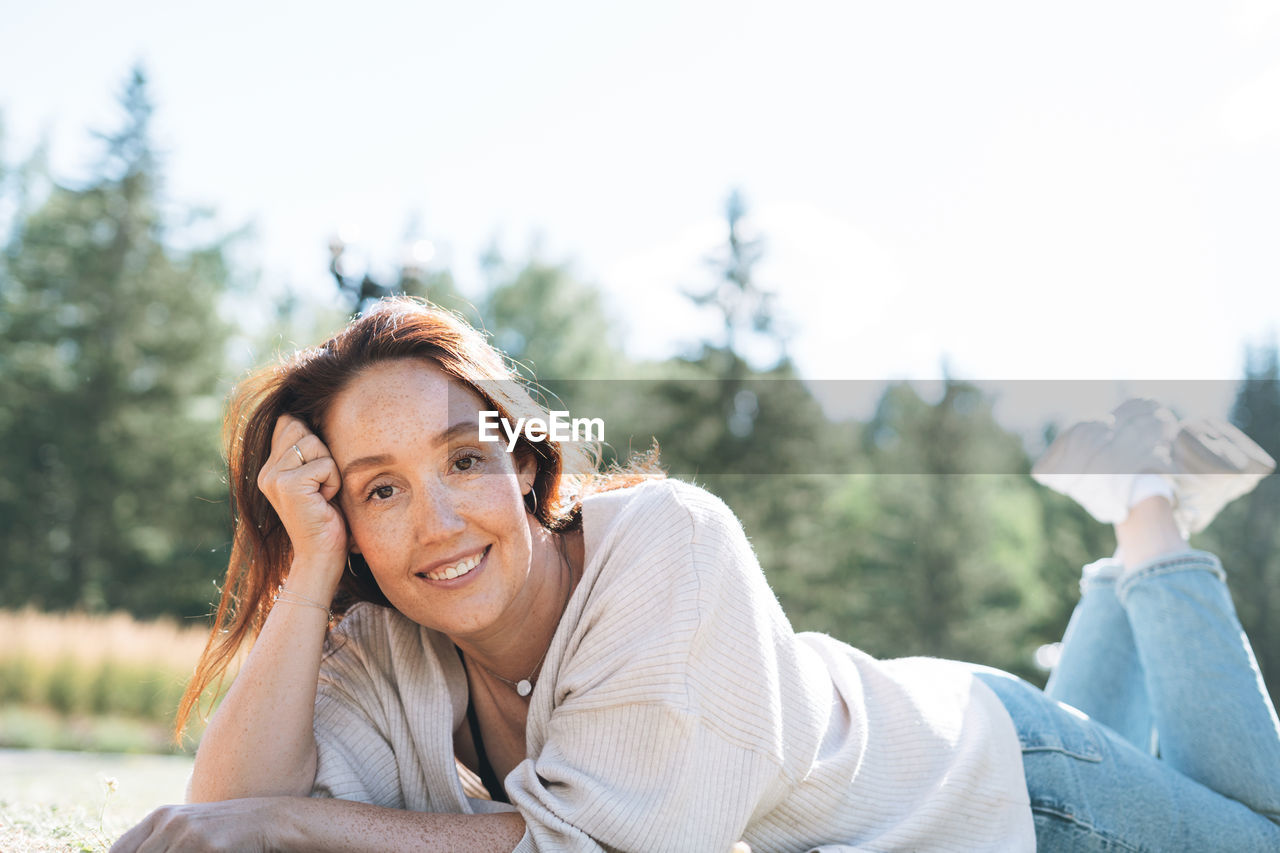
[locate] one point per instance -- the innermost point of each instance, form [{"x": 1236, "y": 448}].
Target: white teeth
[{"x": 457, "y": 569}]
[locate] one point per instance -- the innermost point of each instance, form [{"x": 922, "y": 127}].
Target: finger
[
  {"x": 287, "y": 425},
  {"x": 324, "y": 473},
  {"x": 310, "y": 448},
  {"x": 288, "y": 432},
  {"x": 133, "y": 839},
  {"x": 282, "y": 457}
]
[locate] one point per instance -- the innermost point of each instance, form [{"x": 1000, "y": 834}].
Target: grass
[
  {"x": 62, "y": 801},
  {"x": 24, "y": 727}
]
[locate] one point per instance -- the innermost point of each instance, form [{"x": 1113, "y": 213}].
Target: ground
[{"x": 63, "y": 801}]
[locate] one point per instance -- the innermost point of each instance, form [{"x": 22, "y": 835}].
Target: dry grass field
[
  {"x": 88, "y": 700},
  {"x": 106, "y": 682}
]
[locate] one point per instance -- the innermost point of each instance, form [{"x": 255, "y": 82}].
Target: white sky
[{"x": 1032, "y": 191}]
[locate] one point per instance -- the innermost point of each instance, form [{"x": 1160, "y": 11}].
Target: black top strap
[{"x": 488, "y": 777}]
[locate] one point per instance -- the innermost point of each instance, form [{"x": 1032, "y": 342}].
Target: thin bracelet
[{"x": 305, "y": 602}]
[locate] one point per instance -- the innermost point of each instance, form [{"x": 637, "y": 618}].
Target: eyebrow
[{"x": 382, "y": 458}]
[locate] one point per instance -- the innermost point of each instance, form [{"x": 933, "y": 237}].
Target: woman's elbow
[{"x": 211, "y": 783}]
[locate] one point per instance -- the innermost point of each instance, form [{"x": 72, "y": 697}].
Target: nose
[{"x": 436, "y": 513}]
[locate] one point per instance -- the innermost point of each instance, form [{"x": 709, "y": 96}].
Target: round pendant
[{"x": 524, "y": 688}]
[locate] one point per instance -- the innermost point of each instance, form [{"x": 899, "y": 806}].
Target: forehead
[{"x": 390, "y": 397}]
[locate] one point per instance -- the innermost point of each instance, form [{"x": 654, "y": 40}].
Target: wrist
[
  {"x": 288, "y": 596},
  {"x": 286, "y": 830},
  {"x": 316, "y": 577}
]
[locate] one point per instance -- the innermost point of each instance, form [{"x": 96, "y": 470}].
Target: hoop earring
[
  {"x": 349, "y": 568},
  {"x": 534, "y": 494}
]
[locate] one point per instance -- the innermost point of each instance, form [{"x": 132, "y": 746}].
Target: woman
[{"x": 533, "y": 657}]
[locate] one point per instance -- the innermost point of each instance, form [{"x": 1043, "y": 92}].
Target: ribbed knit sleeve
[{"x": 354, "y": 761}]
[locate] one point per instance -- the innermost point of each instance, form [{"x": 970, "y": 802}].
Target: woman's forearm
[
  {"x": 260, "y": 742},
  {"x": 343, "y": 826},
  {"x": 300, "y": 823}
]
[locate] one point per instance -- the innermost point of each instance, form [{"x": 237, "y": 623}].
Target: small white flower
[{"x": 112, "y": 784}]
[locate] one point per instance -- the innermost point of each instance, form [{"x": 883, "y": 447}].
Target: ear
[{"x": 526, "y": 471}]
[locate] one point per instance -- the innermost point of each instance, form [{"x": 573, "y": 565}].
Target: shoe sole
[{"x": 1214, "y": 463}]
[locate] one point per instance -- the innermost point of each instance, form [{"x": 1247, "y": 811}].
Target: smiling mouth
[{"x": 457, "y": 570}]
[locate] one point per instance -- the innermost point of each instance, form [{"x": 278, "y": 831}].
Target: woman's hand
[
  {"x": 300, "y": 479},
  {"x": 246, "y": 824}
]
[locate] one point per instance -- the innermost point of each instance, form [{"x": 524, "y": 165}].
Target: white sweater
[{"x": 677, "y": 710}]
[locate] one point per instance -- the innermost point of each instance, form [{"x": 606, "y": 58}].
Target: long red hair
[{"x": 304, "y": 385}]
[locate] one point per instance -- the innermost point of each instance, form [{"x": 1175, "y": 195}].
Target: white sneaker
[
  {"x": 1213, "y": 464},
  {"x": 1207, "y": 462},
  {"x": 1095, "y": 463}
]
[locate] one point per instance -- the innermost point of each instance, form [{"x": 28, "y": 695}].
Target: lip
[{"x": 461, "y": 580}]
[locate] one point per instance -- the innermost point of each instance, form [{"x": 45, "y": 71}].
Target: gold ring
[{"x": 301, "y": 461}]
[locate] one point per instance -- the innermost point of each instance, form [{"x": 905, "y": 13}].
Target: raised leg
[
  {"x": 1216, "y": 722},
  {"x": 1099, "y": 671},
  {"x": 1215, "y": 719}
]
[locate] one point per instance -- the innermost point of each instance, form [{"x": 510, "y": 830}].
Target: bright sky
[{"x": 1032, "y": 191}]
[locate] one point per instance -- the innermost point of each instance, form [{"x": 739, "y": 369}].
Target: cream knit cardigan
[{"x": 677, "y": 710}]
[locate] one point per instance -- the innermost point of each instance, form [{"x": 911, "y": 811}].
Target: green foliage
[
  {"x": 1245, "y": 536},
  {"x": 553, "y": 325},
  {"x": 111, "y": 348},
  {"x": 138, "y": 690},
  {"x": 935, "y": 550}
]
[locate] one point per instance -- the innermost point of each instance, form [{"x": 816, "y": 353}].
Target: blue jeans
[{"x": 1157, "y": 662}]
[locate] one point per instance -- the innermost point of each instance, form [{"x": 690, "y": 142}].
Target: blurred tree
[
  {"x": 415, "y": 277},
  {"x": 756, "y": 437},
  {"x": 749, "y": 312},
  {"x": 936, "y": 550},
  {"x": 111, "y": 348},
  {"x": 555, "y": 326},
  {"x": 1245, "y": 536}
]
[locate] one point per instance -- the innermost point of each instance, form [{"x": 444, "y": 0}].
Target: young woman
[{"x": 531, "y": 656}]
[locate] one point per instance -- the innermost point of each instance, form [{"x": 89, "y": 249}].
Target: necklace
[{"x": 524, "y": 686}]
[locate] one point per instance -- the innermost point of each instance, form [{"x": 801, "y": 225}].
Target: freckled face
[{"x": 437, "y": 514}]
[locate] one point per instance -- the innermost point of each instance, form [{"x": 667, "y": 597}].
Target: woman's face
[{"x": 425, "y": 499}]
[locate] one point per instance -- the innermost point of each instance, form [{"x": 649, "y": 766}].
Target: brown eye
[
  {"x": 467, "y": 462},
  {"x": 381, "y": 492}
]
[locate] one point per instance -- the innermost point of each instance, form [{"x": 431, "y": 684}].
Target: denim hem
[
  {"x": 1190, "y": 560},
  {"x": 1101, "y": 572}
]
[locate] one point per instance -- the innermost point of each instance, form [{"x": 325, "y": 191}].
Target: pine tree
[{"x": 110, "y": 356}]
